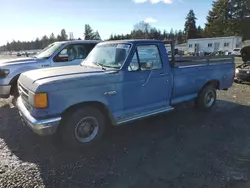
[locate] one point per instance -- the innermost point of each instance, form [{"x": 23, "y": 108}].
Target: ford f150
[{"x": 118, "y": 82}]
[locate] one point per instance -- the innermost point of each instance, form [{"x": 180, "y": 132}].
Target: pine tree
[
  {"x": 97, "y": 36},
  {"x": 229, "y": 17},
  {"x": 89, "y": 34},
  {"x": 199, "y": 32},
  {"x": 64, "y": 36},
  {"x": 52, "y": 38},
  {"x": 218, "y": 19},
  {"x": 190, "y": 25}
]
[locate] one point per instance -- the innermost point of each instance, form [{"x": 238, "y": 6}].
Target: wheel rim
[
  {"x": 87, "y": 129},
  {"x": 209, "y": 98}
]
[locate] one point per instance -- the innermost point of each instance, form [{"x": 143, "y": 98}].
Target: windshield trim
[
  {"x": 60, "y": 45},
  {"x": 109, "y": 68}
]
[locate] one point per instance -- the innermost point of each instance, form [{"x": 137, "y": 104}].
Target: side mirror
[{"x": 149, "y": 65}]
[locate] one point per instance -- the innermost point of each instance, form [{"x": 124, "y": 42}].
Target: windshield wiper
[{"x": 99, "y": 65}]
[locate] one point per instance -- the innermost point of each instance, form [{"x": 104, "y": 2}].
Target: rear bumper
[
  {"x": 41, "y": 127},
  {"x": 5, "y": 91}
]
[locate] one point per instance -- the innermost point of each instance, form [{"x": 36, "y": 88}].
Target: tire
[
  {"x": 14, "y": 89},
  {"x": 14, "y": 92},
  {"x": 73, "y": 127},
  {"x": 206, "y": 98}
]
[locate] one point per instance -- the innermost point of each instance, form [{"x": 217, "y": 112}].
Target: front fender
[
  {"x": 61, "y": 100},
  {"x": 15, "y": 73}
]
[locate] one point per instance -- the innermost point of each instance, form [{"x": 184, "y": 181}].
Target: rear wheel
[
  {"x": 206, "y": 98},
  {"x": 82, "y": 127}
]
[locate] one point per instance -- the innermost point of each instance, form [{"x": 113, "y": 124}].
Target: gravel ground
[{"x": 184, "y": 148}]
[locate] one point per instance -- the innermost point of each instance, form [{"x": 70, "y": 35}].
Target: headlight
[
  {"x": 4, "y": 72},
  {"x": 237, "y": 71},
  {"x": 40, "y": 100},
  {"x": 248, "y": 72}
]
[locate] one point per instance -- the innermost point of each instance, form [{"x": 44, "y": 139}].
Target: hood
[
  {"x": 17, "y": 61},
  {"x": 48, "y": 79}
]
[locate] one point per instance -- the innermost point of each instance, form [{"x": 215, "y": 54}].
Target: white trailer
[{"x": 209, "y": 45}]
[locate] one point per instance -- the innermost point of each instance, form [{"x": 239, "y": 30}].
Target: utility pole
[{"x": 71, "y": 36}]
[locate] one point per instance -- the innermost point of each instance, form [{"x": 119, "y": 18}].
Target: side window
[
  {"x": 149, "y": 59},
  {"x": 74, "y": 51},
  {"x": 149, "y": 54},
  {"x": 67, "y": 54}
]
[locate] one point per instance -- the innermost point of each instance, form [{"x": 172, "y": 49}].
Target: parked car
[
  {"x": 245, "y": 53},
  {"x": 119, "y": 82},
  {"x": 242, "y": 73},
  {"x": 57, "y": 54},
  {"x": 236, "y": 52}
]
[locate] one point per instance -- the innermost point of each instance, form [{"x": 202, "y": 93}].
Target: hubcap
[
  {"x": 209, "y": 98},
  {"x": 87, "y": 129}
]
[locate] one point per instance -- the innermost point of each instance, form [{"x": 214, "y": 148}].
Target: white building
[{"x": 214, "y": 44}]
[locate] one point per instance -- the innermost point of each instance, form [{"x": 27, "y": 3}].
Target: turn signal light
[{"x": 41, "y": 100}]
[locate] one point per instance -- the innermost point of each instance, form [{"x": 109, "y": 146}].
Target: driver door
[{"x": 146, "y": 88}]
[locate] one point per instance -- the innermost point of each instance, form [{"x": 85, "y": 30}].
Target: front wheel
[
  {"x": 82, "y": 127},
  {"x": 206, "y": 98}
]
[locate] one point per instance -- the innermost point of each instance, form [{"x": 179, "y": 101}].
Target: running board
[{"x": 143, "y": 115}]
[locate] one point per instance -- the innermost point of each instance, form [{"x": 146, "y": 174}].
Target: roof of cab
[
  {"x": 79, "y": 41},
  {"x": 134, "y": 41}
]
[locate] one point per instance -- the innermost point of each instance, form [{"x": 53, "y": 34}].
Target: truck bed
[
  {"x": 190, "y": 74},
  {"x": 194, "y": 60}
]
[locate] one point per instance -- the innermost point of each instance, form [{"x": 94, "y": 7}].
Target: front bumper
[
  {"x": 5, "y": 91},
  {"x": 242, "y": 77},
  {"x": 40, "y": 127}
]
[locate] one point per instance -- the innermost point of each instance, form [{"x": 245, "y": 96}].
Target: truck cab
[{"x": 118, "y": 82}]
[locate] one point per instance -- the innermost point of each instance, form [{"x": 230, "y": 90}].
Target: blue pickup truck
[{"x": 118, "y": 82}]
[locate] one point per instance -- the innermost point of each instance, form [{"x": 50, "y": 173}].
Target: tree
[
  {"x": 45, "y": 41},
  {"x": 190, "y": 25},
  {"x": 199, "y": 32},
  {"x": 218, "y": 23},
  {"x": 143, "y": 26},
  {"x": 171, "y": 34},
  {"x": 229, "y": 17},
  {"x": 179, "y": 37},
  {"x": 97, "y": 35},
  {"x": 52, "y": 38},
  {"x": 142, "y": 29},
  {"x": 64, "y": 36},
  {"x": 89, "y": 34}
]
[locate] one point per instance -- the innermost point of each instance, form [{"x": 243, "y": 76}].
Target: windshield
[
  {"x": 108, "y": 55},
  {"x": 48, "y": 51},
  {"x": 236, "y": 50}
]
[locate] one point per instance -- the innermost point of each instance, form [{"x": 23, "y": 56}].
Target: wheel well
[
  {"x": 215, "y": 83},
  {"x": 95, "y": 104},
  {"x": 13, "y": 83}
]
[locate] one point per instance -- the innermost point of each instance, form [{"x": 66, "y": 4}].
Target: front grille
[
  {"x": 24, "y": 93},
  {"x": 243, "y": 71}
]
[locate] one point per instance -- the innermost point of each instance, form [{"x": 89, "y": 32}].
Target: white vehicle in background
[
  {"x": 64, "y": 53},
  {"x": 236, "y": 52}
]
